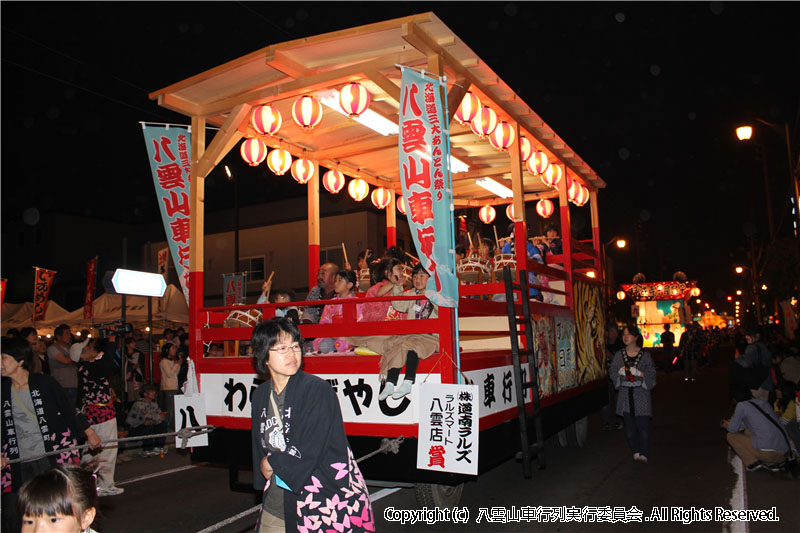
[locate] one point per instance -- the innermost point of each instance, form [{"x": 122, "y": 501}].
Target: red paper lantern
[
  {"x": 525, "y": 148},
  {"x": 307, "y": 112},
  {"x": 487, "y": 214},
  {"x": 468, "y": 108},
  {"x": 333, "y": 181},
  {"x": 584, "y": 196},
  {"x": 484, "y": 123},
  {"x": 573, "y": 190},
  {"x": 279, "y": 161},
  {"x": 545, "y": 208},
  {"x": 621, "y": 295},
  {"x": 254, "y": 151},
  {"x": 266, "y": 120},
  {"x": 302, "y": 170},
  {"x": 538, "y": 163},
  {"x": 695, "y": 291},
  {"x": 358, "y": 189},
  {"x": 552, "y": 176},
  {"x": 510, "y": 211},
  {"x": 381, "y": 198},
  {"x": 401, "y": 205},
  {"x": 502, "y": 136},
  {"x": 354, "y": 99}
]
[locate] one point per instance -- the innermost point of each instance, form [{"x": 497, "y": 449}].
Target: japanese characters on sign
[
  {"x": 426, "y": 181},
  {"x": 168, "y": 150},
  {"x": 42, "y": 282},
  {"x": 567, "y": 373},
  {"x": 91, "y": 278},
  {"x": 496, "y": 388},
  {"x": 163, "y": 261},
  {"x": 448, "y": 428},
  {"x": 230, "y": 394},
  {"x": 190, "y": 411},
  {"x": 233, "y": 288}
]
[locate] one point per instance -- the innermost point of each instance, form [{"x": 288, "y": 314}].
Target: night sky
[{"x": 648, "y": 94}]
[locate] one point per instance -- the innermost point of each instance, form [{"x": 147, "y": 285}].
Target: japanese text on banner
[
  {"x": 448, "y": 428},
  {"x": 42, "y": 282},
  {"x": 91, "y": 278},
  {"x": 169, "y": 152},
  {"x": 233, "y": 288},
  {"x": 425, "y": 179}
]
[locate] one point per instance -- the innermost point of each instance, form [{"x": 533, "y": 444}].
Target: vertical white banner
[
  {"x": 448, "y": 428},
  {"x": 190, "y": 411}
]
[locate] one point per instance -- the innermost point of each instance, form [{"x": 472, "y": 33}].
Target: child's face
[
  {"x": 281, "y": 298},
  {"x": 420, "y": 280},
  {"x": 50, "y": 524},
  {"x": 342, "y": 286},
  {"x": 396, "y": 274}
]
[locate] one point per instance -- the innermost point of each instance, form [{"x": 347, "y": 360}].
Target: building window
[
  {"x": 333, "y": 255},
  {"x": 254, "y": 266}
]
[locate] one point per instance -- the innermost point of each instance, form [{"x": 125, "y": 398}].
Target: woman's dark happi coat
[{"x": 328, "y": 492}]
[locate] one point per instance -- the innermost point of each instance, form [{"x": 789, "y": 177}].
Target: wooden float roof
[{"x": 369, "y": 54}]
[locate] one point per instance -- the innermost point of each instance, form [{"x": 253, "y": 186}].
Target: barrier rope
[
  {"x": 387, "y": 445},
  {"x": 184, "y": 433}
]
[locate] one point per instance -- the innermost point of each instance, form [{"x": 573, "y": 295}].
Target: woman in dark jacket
[
  {"x": 37, "y": 418},
  {"x": 301, "y": 457},
  {"x": 634, "y": 376}
]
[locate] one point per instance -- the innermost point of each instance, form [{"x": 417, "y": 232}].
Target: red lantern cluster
[
  {"x": 253, "y": 151},
  {"x": 487, "y": 214},
  {"x": 401, "y": 205},
  {"x": 552, "y": 176},
  {"x": 307, "y": 112},
  {"x": 302, "y": 170},
  {"x": 266, "y": 120},
  {"x": 354, "y": 99},
  {"x": 333, "y": 181}
]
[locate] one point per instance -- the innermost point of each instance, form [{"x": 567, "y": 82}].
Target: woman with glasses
[{"x": 301, "y": 458}]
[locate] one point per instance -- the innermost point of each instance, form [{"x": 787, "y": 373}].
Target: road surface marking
[
  {"x": 373, "y": 497},
  {"x": 739, "y": 494},
  {"x": 156, "y": 474}
]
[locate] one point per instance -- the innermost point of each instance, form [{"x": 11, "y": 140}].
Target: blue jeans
[{"x": 637, "y": 433}]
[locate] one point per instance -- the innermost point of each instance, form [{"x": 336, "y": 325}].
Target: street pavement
[{"x": 690, "y": 466}]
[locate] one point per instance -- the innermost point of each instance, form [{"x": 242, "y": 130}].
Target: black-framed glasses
[{"x": 283, "y": 350}]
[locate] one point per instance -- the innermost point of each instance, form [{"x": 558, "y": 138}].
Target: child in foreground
[{"x": 62, "y": 499}]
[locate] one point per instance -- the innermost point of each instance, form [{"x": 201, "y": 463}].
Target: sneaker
[
  {"x": 685, "y": 379},
  {"x": 606, "y": 426},
  {"x": 642, "y": 458},
  {"x": 776, "y": 467},
  {"x": 692, "y": 379},
  {"x": 636, "y": 456},
  {"x": 404, "y": 389},
  {"x": 619, "y": 425},
  {"x": 110, "y": 491},
  {"x": 754, "y": 466},
  {"x": 387, "y": 391}
]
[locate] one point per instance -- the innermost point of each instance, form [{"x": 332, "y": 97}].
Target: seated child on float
[
  {"x": 407, "y": 350},
  {"x": 344, "y": 283}
]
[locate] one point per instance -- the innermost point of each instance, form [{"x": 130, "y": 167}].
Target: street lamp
[
  {"x": 757, "y": 302},
  {"x": 744, "y": 133},
  {"x": 739, "y": 270},
  {"x": 620, "y": 243}
]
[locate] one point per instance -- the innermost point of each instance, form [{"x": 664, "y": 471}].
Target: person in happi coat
[{"x": 301, "y": 458}]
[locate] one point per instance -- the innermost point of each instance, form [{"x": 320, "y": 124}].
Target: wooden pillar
[
  {"x": 391, "y": 220},
  {"x": 313, "y": 227},
  {"x": 518, "y": 188},
  {"x": 566, "y": 236},
  {"x": 196, "y": 238},
  {"x": 596, "y": 243}
]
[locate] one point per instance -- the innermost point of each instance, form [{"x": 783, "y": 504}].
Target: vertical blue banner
[
  {"x": 168, "y": 151},
  {"x": 424, "y": 156}
]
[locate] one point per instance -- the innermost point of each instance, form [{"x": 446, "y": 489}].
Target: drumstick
[
  {"x": 470, "y": 241},
  {"x": 270, "y": 276},
  {"x": 496, "y": 240},
  {"x": 344, "y": 250},
  {"x": 412, "y": 257}
]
